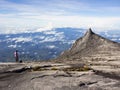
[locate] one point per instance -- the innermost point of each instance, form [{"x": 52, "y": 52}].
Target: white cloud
[
  {"x": 49, "y": 32},
  {"x": 85, "y": 22},
  {"x": 20, "y": 39},
  {"x": 13, "y": 30},
  {"x": 47, "y": 28},
  {"x": 39, "y": 37},
  {"x": 101, "y": 23},
  {"x": 12, "y": 46},
  {"x": 49, "y": 39},
  {"x": 61, "y": 13},
  {"x": 58, "y": 36},
  {"x": 51, "y": 46}
]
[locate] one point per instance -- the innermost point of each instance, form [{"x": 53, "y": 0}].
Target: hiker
[{"x": 16, "y": 56}]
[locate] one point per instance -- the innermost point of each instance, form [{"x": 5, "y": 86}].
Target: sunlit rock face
[{"x": 92, "y": 47}]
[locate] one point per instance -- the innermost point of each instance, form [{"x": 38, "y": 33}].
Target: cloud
[
  {"x": 60, "y": 21},
  {"x": 12, "y": 46},
  {"x": 58, "y": 36},
  {"x": 82, "y": 21},
  {"x": 59, "y": 7},
  {"x": 51, "y": 46},
  {"x": 61, "y": 13},
  {"x": 19, "y": 39}
]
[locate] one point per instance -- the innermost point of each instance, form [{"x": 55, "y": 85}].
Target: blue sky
[{"x": 98, "y": 14}]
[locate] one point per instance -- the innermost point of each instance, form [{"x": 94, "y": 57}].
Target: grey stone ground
[{"x": 56, "y": 80}]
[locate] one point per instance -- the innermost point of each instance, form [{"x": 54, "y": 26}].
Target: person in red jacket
[{"x": 16, "y": 56}]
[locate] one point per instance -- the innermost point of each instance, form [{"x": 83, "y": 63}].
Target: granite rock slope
[{"x": 92, "y": 47}]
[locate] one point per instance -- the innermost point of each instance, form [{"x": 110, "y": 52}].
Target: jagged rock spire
[
  {"x": 90, "y": 46},
  {"x": 89, "y": 32}
]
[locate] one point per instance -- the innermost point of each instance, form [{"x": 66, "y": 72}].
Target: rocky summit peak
[
  {"x": 89, "y": 32},
  {"x": 94, "y": 46}
]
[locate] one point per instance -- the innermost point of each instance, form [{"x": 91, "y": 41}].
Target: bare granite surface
[{"x": 53, "y": 77}]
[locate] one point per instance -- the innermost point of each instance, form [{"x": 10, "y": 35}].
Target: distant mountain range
[{"x": 44, "y": 44}]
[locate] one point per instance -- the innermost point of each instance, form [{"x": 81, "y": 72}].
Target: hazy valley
[{"x": 38, "y": 44}]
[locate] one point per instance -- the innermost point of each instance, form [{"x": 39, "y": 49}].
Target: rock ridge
[{"x": 92, "y": 46}]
